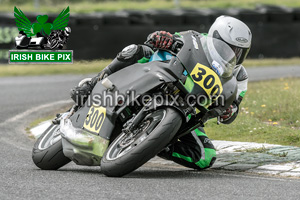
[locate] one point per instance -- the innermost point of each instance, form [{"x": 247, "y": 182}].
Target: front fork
[{"x": 135, "y": 121}]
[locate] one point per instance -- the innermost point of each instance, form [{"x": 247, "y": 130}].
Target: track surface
[{"x": 21, "y": 98}]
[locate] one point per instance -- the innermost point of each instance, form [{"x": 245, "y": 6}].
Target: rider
[{"x": 193, "y": 150}]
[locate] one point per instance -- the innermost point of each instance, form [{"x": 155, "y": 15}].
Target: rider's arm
[{"x": 242, "y": 84}]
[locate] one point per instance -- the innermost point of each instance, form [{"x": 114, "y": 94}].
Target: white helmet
[
  {"x": 235, "y": 33},
  {"x": 67, "y": 31}
]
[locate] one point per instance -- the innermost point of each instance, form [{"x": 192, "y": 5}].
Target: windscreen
[{"x": 220, "y": 56}]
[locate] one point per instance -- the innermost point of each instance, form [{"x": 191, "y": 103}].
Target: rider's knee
[{"x": 210, "y": 158}]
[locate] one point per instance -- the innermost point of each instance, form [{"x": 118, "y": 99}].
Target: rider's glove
[
  {"x": 229, "y": 114},
  {"x": 81, "y": 93},
  {"x": 162, "y": 39},
  {"x": 102, "y": 75}
]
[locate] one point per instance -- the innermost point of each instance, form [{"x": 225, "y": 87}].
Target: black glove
[
  {"x": 102, "y": 75},
  {"x": 81, "y": 94},
  {"x": 161, "y": 39},
  {"x": 229, "y": 114}
]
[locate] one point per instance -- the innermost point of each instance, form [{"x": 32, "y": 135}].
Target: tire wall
[{"x": 276, "y": 30}]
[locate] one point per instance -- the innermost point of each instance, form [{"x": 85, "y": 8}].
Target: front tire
[
  {"x": 47, "y": 152},
  {"x": 125, "y": 155}
]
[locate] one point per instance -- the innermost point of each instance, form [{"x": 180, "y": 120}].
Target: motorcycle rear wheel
[
  {"x": 126, "y": 154},
  {"x": 47, "y": 153}
]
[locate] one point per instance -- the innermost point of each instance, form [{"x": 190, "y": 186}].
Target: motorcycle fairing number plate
[
  {"x": 95, "y": 118},
  {"x": 208, "y": 80}
]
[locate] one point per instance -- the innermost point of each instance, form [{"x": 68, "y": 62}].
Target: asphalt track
[{"x": 26, "y": 98}]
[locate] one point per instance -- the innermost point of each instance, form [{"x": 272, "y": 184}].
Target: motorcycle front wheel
[
  {"x": 47, "y": 153},
  {"x": 130, "y": 151}
]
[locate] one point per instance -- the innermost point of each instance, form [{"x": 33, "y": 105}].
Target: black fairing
[
  {"x": 140, "y": 78},
  {"x": 189, "y": 55}
]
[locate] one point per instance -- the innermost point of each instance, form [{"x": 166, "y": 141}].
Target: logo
[
  {"x": 43, "y": 41},
  {"x": 241, "y": 39},
  {"x": 218, "y": 68},
  {"x": 206, "y": 140}
]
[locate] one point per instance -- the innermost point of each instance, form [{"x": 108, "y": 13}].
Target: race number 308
[
  {"x": 208, "y": 80},
  {"x": 94, "y": 119}
]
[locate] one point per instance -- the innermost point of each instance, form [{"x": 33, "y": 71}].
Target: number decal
[
  {"x": 207, "y": 79},
  {"x": 94, "y": 119},
  {"x": 199, "y": 76}
]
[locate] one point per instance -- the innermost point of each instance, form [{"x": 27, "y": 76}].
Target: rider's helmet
[
  {"x": 67, "y": 31},
  {"x": 233, "y": 32}
]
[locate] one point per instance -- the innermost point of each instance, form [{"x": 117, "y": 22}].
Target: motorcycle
[
  {"x": 56, "y": 39},
  {"x": 122, "y": 137}
]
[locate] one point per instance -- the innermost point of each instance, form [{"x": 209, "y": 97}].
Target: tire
[
  {"x": 117, "y": 164},
  {"x": 49, "y": 156}
]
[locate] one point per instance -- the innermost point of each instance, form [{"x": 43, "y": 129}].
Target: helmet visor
[
  {"x": 240, "y": 53},
  {"x": 220, "y": 56}
]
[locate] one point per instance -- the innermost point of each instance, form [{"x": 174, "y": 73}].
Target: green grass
[
  {"x": 87, "y": 67},
  {"x": 79, "y": 67},
  {"x": 93, "y": 6},
  {"x": 262, "y": 149},
  {"x": 269, "y": 113},
  {"x": 35, "y": 123},
  {"x": 271, "y": 62}
]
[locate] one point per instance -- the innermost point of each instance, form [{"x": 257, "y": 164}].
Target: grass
[
  {"x": 87, "y": 67},
  {"x": 79, "y": 67},
  {"x": 263, "y": 149},
  {"x": 94, "y": 6},
  {"x": 271, "y": 62},
  {"x": 35, "y": 123},
  {"x": 269, "y": 113}
]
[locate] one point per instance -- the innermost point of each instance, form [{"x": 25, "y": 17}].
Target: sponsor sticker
[
  {"x": 241, "y": 39},
  {"x": 217, "y": 68}
]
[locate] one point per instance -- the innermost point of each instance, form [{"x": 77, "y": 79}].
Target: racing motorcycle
[
  {"x": 122, "y": 137},
  {"x": 58, "y": 38}
]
